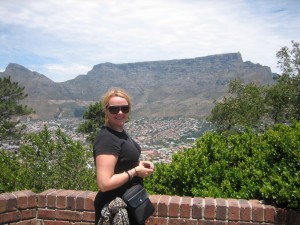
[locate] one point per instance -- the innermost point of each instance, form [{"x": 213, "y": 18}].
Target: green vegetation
[
  {"x": 242, "y": 165},
  {"x": 10, "y": 96},
  {"x": 255, "y": 106},
  {"x": 243, "y": 107},
  {"x": 47, "y": 160},
  {"x": 94, "y": 119}
]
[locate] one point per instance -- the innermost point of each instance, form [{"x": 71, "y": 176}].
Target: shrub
[
  {"x": 247, "y": 165},
  {"x": 47, "y": 160}
]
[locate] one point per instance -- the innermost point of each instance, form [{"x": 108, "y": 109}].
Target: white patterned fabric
[{"x": 114, "y": 213}]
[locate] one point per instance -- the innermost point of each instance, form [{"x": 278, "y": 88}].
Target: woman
[{"x": 116, "y": 155}]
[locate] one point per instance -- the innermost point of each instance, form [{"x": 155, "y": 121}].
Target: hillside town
[{"x": 158, "y": 138}]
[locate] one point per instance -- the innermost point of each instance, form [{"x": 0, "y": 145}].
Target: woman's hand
[{"x": 144, "y": 169}]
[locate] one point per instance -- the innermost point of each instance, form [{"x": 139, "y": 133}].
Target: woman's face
[{"x": 118, "y": 116}]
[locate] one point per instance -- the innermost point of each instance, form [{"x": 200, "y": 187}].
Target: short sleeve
[
  {"x": 106, "y": 144},
  {"x": 116, "y": 143}
]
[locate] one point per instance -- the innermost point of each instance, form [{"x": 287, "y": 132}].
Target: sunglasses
[{"x": 116, "y": 109}]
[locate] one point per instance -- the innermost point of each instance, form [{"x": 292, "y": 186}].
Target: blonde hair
[{"x": 114, "y": 92}]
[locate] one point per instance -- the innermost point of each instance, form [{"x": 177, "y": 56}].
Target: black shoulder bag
[
  {"x": 138, "y": 203},
  {"x": 137, "y": 200}
]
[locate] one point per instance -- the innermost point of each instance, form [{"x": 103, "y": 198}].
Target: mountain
[{"x": 170, "y": 88}]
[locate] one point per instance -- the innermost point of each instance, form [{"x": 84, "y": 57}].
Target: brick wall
[{"x": 63, "y": 207}]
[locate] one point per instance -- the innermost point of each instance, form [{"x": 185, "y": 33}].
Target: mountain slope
[{"x": 182, "y": 87}]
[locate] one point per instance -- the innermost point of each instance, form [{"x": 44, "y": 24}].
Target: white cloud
[
  {"x": 65, "y": 72},
  {"x": 72, "y": 32}
]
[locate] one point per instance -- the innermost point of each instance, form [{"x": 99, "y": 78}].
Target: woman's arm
[{"x": 106, "y": 178}]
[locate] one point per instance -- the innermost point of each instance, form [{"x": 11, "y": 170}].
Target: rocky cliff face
[{"x": 183, "y": 87}]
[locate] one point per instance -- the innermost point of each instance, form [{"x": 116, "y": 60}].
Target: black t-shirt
[{"x": 109, "y": 141}]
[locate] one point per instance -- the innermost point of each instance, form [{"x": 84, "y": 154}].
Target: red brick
[
  {"x": 46, "y": 214},
  {"x": 49, "y": 222},
  {"x": 4, "y": 218},
  {"x": 179, "y": 221},
  {"x": 174, "y": 206},
  {"x": 52, "y": 199},
  {"x": 221, "y": 223},
  {"x": 88, "y": 216},
  {"x": 61, "y": 199},
  {"x": 42, "y": 198},
  {"x": 221, "y": 209},
  {"x": 200, "y": 222},
  {"x": 89, "y": 201},
  {"x": 83, "y": 223},
  {"x": 41, "y": 201},
  {"x": 155, "y": 199},
  {"x": 68, "y": 215},
  {"x": 2, "y": 203},
  {"x": 80, "y": 196},
  {"x": 233, "y": 209},
  {"x": 185, "y": 207},
  {"x": 10, "y": 217},
  {"x": 22, "y": 202},
  {"x": 198, "y": 208},
  {"x": 234, "y": 223},
  {"x": 57, "y": 222},
  {"x": 28, "y": 214},
  {"x": 157, "y": 221},
  {"x": 270, "y": 214},
  {"x": 71, "y": 201},
  {"x": 257, "y": 211},
  {"x": 209, "y": 222},
  {"x": 209, "y": 208},
  {"x": 163, "y": 205},
  {"x": 26, "y": 222},
  {"x": 11, "y": 201},
  {"x": 37, "y": 222},
  {"x": 245, "y": 210},
  {"x": 31, "y": 198}
]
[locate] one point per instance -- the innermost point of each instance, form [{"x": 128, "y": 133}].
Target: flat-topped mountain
[{"x": 170, "y": 88}]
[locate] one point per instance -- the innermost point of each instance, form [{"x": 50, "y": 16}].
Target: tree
[
  {"x": 10, "y": 107},
  {"x": 94, "y": 119},
  {"x": 289, "y": 62},
  {"x": 289, "y": 59},
  {"x": 48, "y": 160},
  {"x": 223, "y": 115},
  {"x": 9, "y": 167},
  {"x": 279, "y": 100},
  {"x": 244, "y": 106},
  {"x": 249, "y": 105}
]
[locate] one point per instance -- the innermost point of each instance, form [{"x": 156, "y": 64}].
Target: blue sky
[{"x": 64, "y": 38}]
